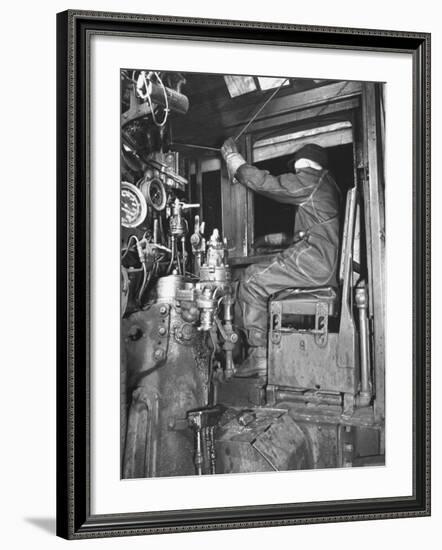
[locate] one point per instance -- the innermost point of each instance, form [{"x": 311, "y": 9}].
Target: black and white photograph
[
  {"x": 252, "y": 273},
  {"x": 222, "y": 248}
]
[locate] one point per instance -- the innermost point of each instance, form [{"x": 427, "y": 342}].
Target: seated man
[{"x": 309, "y": 261}]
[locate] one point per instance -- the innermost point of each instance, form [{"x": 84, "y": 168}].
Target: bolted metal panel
[{"x": 298, "y": 362}]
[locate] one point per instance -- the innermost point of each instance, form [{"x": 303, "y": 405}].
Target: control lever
[{"x": 203, "y": 422}]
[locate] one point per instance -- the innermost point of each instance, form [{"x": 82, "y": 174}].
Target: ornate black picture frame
[{"x": 74, "y": 518}]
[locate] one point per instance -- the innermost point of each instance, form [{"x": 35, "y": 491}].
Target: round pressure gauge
[
  {"x": 133, "y": 205},
  {"x": 154, "y": 192}
]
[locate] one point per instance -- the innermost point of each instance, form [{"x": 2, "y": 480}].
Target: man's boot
[{"x": 255, "y": 363}]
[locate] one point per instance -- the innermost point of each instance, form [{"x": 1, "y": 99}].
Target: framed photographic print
[{"x": 243, "y": 274}]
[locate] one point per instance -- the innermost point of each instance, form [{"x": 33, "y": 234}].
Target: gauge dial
[
  {"x": 155, "y": 194},
  {"x": 133, "y": 205}
]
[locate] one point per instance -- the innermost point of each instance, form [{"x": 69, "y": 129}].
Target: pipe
[
  {"x": 198, "y": 457},
  {"x": 230, "y": 337},
  {"x": 361, "y": 302},
  {"x": 212, "y": 450},
  {"x": 192, "y": 146},
  {"x": 177, "y": 102},
  {"x": 183, "y": 252},
  {"x": 172, "y": 255},
  {"x": 230, "y": 367},
  {"x": 319, "y": 399}
]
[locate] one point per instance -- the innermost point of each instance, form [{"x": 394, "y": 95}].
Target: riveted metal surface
[{"x": 173, "y": 379}]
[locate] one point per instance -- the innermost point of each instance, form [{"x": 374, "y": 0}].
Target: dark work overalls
[{"x": 309, "y": 262}]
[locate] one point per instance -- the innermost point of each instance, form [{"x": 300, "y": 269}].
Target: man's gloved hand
[
  {"x": 233, "y": 158},
  {"x": 273, "y": 240},
  {"x": 229, "y": 147}
]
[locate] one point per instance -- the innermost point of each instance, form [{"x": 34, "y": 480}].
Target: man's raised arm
[{"x": 287, "y": 188}]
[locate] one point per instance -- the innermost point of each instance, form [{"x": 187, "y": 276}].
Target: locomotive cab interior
[{"x": 183, "y": 410}]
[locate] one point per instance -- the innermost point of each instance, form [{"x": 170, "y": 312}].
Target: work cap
[{"x": 310, "y": 151}]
